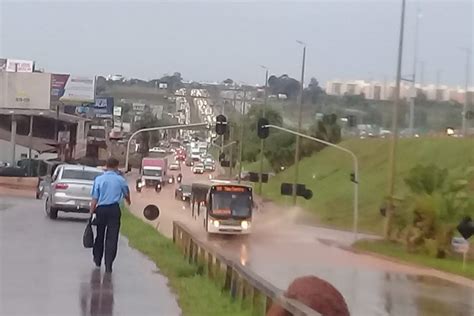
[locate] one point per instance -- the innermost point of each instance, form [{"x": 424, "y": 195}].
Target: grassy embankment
[
  {"x": 197, "y": 295},
  {"x": 327, "y": 175}
]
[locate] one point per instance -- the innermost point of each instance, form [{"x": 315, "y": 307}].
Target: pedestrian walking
[{"x": 108, "y": 191}]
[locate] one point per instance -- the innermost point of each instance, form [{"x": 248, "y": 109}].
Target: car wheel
[
  {"x": 53, "y": 213},
  {"x": 50, "y": 211}
]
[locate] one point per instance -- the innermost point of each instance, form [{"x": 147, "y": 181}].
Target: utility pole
[
  {"x": 262, "y": 141},
  {"x": 415, "y": 63},
  {"x": 422, "y": 73},
  {"x": 466, "y": 89},
  {"x": 30, "y": 146},
  {"x": 394, "y": 138},
  {"x": 297, "y": 145},
  {"x": 13, "y": 140},
  {"x": 241, "y": 148}
]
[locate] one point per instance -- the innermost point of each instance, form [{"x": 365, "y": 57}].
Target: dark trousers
[{"x": 108, "y": 226}]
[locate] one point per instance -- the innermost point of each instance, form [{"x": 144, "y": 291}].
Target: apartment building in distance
[{"x": 374, "y": 90}]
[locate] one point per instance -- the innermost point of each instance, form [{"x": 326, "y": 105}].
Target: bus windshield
[{"x": 232, "y": 204}]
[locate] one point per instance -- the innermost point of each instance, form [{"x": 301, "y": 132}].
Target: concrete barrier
[{"x": 19, "y": 186}]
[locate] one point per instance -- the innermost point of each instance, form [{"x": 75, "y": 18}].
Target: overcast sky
[{"x": 214, "y": 40}]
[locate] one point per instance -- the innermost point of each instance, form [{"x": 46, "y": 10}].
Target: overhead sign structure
[
  {"x": 18, "y": 65},
  {"x": 72, "y": 89}
]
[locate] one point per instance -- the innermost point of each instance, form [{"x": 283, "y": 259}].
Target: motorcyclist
[{"x": 180, "y": 178}]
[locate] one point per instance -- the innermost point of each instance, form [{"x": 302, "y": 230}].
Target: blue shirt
[{"x": 109, "y": 188}]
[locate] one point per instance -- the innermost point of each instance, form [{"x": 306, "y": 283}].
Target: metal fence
[{"x": 244, "y": 286}]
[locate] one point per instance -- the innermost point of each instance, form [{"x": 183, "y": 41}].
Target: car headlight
[
  {"x": 245, "y": 225},
  {"x": 216, "y": 224}
]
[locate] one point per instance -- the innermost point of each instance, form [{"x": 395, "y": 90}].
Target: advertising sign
[
  {"x": 138, "y": 107},
  {"x": 118, "y": 111},
  {"x": 73, "y": 89},
  {"x": 17, "y": 65},
  {"x": 24, "y": 90},
  {"x": 102, "y": 108}
]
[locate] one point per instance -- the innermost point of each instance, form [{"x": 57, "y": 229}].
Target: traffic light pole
[
  {"x": 158, "y": 128},
  {"x": 241, "y": 149},
  {"x": 356, "y": 171},
  {"x": 262, "y": 141}
]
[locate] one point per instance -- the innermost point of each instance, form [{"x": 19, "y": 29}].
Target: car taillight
[{"x": 61, "y": 186}]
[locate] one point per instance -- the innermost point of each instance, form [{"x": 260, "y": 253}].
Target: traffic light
[
  {"x": 255, "y": 177},
  {"x": 222, "y": 156},
  {"x": 221, "y": 124},
  {"x": 466, "y": 227},
  {"x": 262, "y": 130},
  {"x": 301, "y": 190}
]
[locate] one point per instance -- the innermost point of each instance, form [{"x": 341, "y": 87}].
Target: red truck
[{"x": 153, "y": 173}]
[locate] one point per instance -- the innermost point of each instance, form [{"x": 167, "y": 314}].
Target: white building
[{"x": 375, "y": 90}]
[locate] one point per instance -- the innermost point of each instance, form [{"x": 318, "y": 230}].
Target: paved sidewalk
[{"x": 44, "y": 270}]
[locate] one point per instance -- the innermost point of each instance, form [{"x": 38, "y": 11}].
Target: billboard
[
  {"x": 72, "y": 89},
  {"x": 21, "y": 90},
  {"x": 138, "y": 107},
  {"x": 102, "y": 108},
  {"x": 118, "y": 111},
  {"x": 3, "y": 64},
  {"x": 17, "y": 65}
]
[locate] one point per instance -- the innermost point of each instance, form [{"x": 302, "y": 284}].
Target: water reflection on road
[
  {"x": 97, "y": 296},
  {"x": 368, "y": 289}
]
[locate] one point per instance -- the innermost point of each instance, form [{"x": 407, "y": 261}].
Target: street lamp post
[
  {"x": 262, "y": 141},
  {"x": 297, "y": 144},
  {"x": 394, "y": 138},
  {"x": 466, "y": 88},
  {"x": 415, "y": 64}
]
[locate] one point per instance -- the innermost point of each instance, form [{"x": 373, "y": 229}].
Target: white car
[
  {"x": 174, "y": 166},
  {"x": 157, "y": 150},
  {"x": 198, "y": 168}
]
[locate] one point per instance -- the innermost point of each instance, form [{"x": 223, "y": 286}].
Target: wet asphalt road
[
  {"x": 281, "y": 250},
  {"x": 44, "y": 270}
]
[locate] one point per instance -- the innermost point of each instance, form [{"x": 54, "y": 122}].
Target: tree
[
  {"x": 228, "y": 81},
  {"x": 174, "y": 82},
  {"x": 313, "y": 92},
  {"x": 436, "y": 204},
  {"x": 284, "y": 85}
]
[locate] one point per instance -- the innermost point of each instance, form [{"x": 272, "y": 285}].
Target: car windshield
[
  {"x": 239, "y": 204},
  {"x": 80, "y": 174},
  {"x": 152, "y": 172}
]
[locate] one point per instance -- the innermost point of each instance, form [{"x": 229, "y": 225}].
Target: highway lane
[
  {"x": 281, "y": 250},
  {"x": 44, "y": 270}
]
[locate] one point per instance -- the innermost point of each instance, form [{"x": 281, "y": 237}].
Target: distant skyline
[{"x": 211, "y": 40}]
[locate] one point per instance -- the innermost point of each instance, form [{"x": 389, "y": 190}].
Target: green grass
[
  {"x": 327, "y": 175},
  {"x": 197, "y": 295},
  {"x": 255, "y": 166},
  {"x": 398, "y": 251}
]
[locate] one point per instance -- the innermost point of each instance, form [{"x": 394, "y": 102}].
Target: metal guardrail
[{"x": 243, "y": 285}]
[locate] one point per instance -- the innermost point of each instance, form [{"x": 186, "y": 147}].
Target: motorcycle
[
  {"x": 179, "y": 178},
  {"x": 171, "y": 180},
  {"x": 158, "y": 188}
]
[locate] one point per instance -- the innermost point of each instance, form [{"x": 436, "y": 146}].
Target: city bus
[{"x": 228, "y": 208}]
